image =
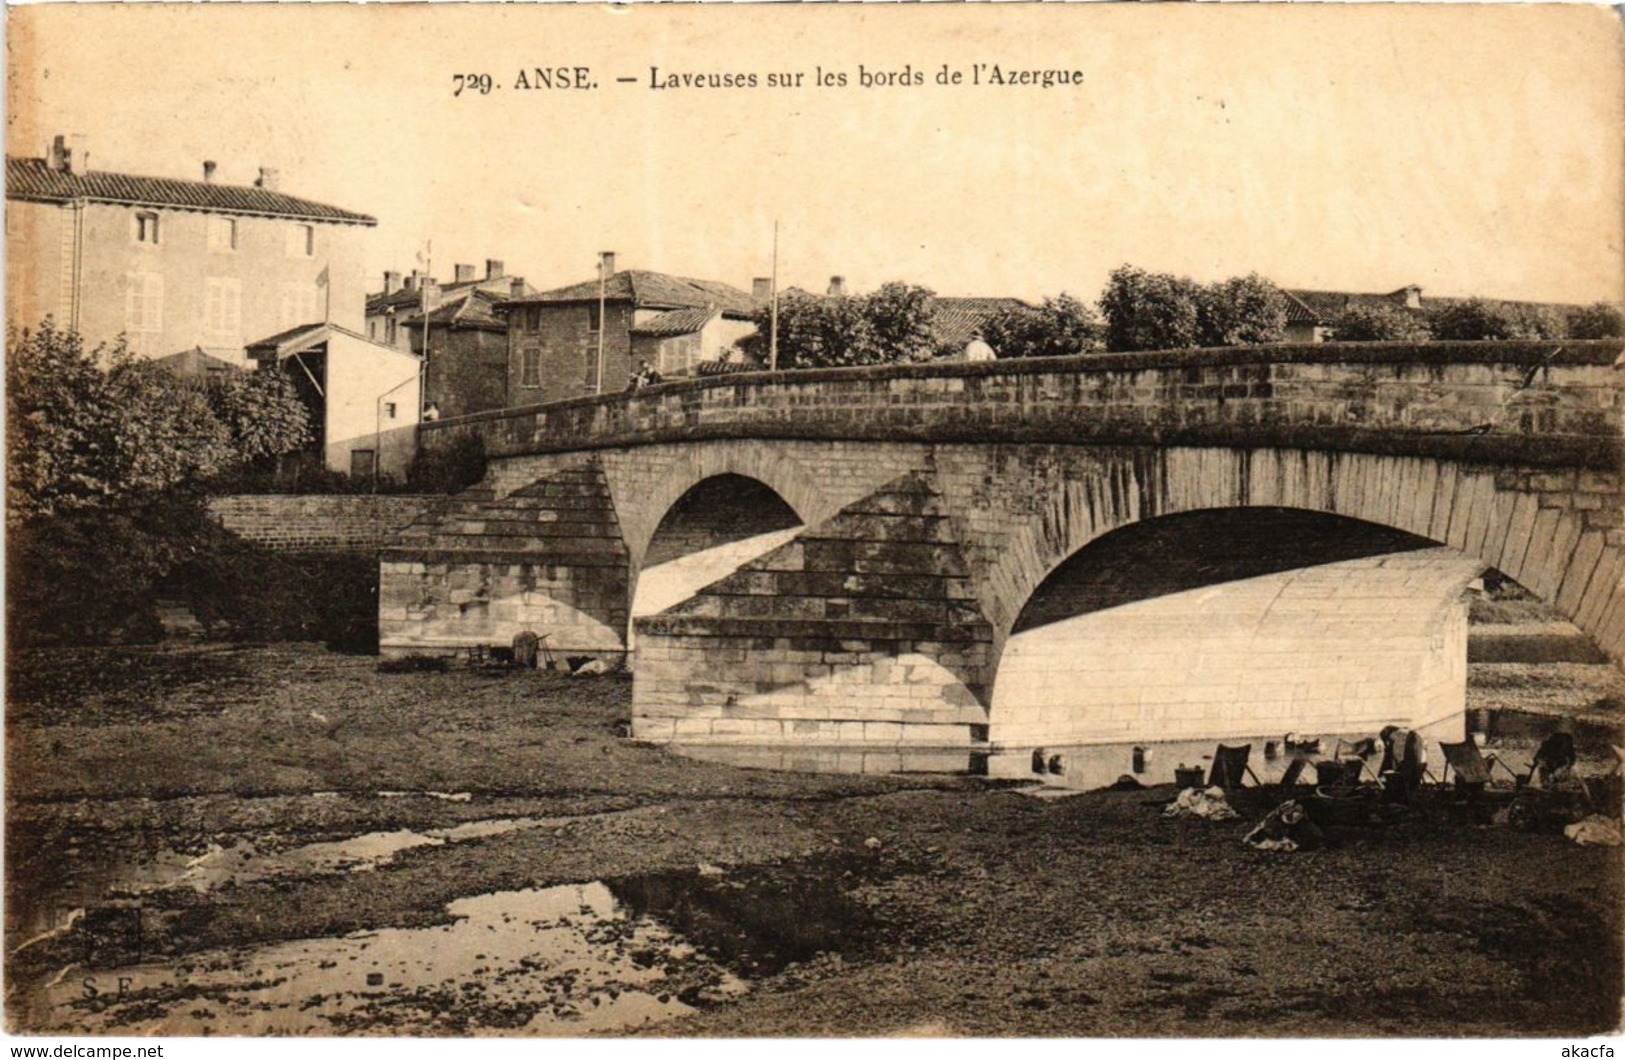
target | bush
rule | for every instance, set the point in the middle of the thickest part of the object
(891, 325)
(1599, 321)
(1241, 311)
(1379, 322)
(1480, 319)
(1149, 311)
(1059, 327)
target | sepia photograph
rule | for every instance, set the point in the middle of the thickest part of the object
(807, 521)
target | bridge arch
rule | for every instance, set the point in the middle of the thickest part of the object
(644, 500)
(716, 526)
(1549, 550)
(1235, 623)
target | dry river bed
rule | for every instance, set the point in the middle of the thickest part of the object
(279, 839)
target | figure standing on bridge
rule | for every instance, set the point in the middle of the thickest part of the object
(978, 349)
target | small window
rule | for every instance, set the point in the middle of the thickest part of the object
(389, 410)
(530, 373)
(146, 227)
(301, 241)
(222, 233)
(593, 321)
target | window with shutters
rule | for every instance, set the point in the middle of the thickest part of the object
(223, 310)
(143, 303)
(530, 367)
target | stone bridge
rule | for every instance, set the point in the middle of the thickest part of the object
(1244, 541)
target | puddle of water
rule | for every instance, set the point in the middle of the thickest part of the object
(560, 961)
(761, 920)
(238, 864)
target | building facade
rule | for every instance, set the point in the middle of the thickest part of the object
(555, 337)
(174, 265)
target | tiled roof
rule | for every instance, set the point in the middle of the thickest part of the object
(955, 321)
(654, 290)
(1325, 306)
(195, 362)
(293, 340)
(302, 338)
(471, 309)
(675, 322)
(403, 298)
(32, 179)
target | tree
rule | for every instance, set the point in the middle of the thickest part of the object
(1149, 311)
(262, 413)
(890, 325)
(1379, 322)
(1241, 311)
(107, 457)
(102, 426)
(1482, 319)
(1598, 321)
(1058, 327)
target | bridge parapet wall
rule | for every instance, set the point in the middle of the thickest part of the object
(1538, 405)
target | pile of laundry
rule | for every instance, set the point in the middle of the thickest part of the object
(1206, 803)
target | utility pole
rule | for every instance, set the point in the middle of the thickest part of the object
(773, 301)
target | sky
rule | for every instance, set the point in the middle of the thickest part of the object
(1471, 150)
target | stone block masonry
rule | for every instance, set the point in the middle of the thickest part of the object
(863, 630)
(547, 558)
(319, 522)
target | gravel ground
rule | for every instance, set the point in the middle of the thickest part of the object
(850, 905)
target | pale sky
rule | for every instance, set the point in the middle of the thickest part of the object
(1470, 150)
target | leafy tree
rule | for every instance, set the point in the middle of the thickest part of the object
(1598, 321)
(107, 455)
(1058, 327)
(1240, 311)
(1379, 322)
(1476, 319)
(890, 325)
(101, 427)
(262, 413)
(1149, 311)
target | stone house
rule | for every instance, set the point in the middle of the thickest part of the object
(554, 337)
(174, 265)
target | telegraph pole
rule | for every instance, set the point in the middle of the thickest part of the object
(773, 300)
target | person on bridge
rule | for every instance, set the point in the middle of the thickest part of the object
(978, 349)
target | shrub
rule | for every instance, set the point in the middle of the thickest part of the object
(1379, 322)
(447, 470)
(1059, 327)
(1598, 321)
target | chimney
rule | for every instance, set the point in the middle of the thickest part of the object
(837, 287)
(269, 179)
(392, 282)
(606, 262)
(516, 287)
(464, 274)
(68, 155)
(761, 288)
(208, 171)
(1413, 297)
(411, 283)
(493, 269)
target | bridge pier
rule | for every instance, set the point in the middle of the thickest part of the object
(546, 558)
(863, 630)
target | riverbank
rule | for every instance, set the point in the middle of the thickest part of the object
(201, 817)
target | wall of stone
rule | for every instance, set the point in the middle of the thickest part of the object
(479, 569)
(311, 522)
(1537, 404)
